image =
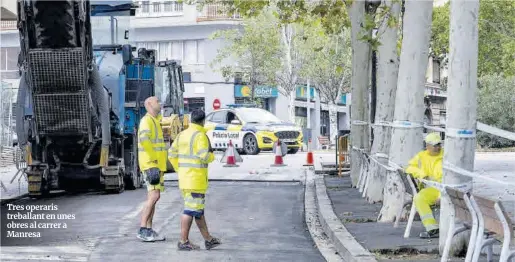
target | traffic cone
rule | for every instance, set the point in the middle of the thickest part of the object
(231, 158)
(309, 157)
(278, 155)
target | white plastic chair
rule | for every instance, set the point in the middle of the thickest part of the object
(463, 212)
(411, 188)
(495, 226)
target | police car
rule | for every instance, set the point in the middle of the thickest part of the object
(250, 130)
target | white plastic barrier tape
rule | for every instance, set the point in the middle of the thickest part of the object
(407, 124)
(496, 131)
(359, 123)
(464, 172)
(460, 133)
(435, 128)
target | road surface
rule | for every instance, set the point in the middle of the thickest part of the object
(260, 221)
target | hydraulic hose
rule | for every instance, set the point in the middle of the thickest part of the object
(20, 112)
(100, 96)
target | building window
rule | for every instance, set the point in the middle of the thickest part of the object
(436, 71)
(160, 8)
(189, 52)
(200, 52)
(193, 103)
(145, 7)
(187, 77)
(238, 78)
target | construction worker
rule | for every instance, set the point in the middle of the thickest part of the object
(190, 155)
(152, 163)
(427, 165)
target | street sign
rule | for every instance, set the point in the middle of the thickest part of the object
(216, 104)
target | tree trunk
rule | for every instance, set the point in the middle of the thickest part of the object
(387, 71)
(409, 99)
(461, 105)
(333, 121)
(291, 106)
(359, 84)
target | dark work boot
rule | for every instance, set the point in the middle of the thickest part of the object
(430, 234)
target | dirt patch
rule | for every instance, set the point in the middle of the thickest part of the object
(408, 254)
(358, 220)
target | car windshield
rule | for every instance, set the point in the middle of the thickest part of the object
(256, 115)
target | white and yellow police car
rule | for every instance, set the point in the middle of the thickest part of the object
(250, 130)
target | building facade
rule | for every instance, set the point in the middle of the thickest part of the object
(181, 32)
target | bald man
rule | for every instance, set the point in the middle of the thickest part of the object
(152, 157)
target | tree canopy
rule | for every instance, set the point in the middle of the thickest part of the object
(253, 50)
(496, 36)
(496, 107)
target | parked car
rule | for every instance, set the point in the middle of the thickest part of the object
(251, 130)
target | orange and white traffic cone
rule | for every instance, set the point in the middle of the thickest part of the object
(309, 157)
(231, 158)
(278, 155)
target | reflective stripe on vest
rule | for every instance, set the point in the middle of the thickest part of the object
(191, 155)
(154, 141)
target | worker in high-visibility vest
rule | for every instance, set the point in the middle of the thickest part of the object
(427, 165)
(190, 155)
(152, 163)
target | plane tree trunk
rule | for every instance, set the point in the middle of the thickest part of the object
(387, 71)
(407, 138)
(361, 53)
(461, 106)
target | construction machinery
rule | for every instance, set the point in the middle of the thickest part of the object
(170, 90)
(81, 95)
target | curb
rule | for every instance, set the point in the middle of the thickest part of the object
(12, 199)
(343, 240)
(312, 219)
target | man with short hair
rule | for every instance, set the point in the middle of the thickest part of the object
(427, 164)
(190, 155)
(152, 163)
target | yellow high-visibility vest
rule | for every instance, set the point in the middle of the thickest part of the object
(425, 166)
(151, 144)
(190, 156)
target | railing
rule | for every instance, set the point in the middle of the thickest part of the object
(434, 89)
(216, 12)
(8, 25)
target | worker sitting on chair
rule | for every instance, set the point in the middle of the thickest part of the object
(427, 165)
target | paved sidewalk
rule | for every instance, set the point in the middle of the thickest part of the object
(385, 241)
(17, 188)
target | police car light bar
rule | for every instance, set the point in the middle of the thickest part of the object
(240, 105)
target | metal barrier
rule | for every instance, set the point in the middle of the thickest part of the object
(342, 152)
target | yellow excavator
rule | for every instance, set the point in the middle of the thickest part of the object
(170, 89)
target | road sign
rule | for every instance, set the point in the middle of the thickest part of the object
(216, 104)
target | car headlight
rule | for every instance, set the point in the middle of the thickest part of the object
(267, 140)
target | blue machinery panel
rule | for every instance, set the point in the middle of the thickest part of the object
(143, 74)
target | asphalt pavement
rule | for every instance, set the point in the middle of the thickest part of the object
(259, 221)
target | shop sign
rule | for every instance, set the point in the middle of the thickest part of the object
(259, 91)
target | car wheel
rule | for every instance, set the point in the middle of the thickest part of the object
(250, 145)
(293, 151)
